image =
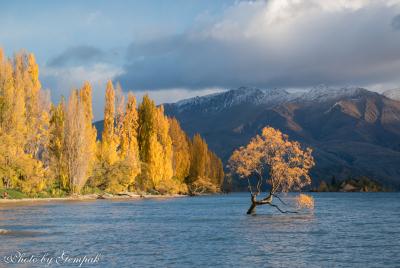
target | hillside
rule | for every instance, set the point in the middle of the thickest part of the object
(393, 94)
(353, 131)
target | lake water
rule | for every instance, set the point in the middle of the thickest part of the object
(345, 230)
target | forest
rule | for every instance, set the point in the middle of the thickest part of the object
(51, 150)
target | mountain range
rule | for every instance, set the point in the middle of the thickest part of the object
(392, 94)
(353, 131)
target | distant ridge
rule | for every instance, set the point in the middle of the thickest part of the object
(393, 94)
(353, 131)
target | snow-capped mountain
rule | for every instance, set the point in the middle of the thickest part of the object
(393, 94)
(353, 131)
(267, 97)
(323, 93)
(233, 97)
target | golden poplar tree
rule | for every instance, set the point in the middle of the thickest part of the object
(129, 133)
(118, 163)
(77, 149)
(164, 139)
(155, 147)
(120, 113)
(199, 158)
(11, 143)
(108, 141)
(18, 169)
(37, 103)
(146, 139)
(32, 92)
(90, 130)
(129, 148)
(206, 171)
(7, 95)
(18, 114)
(56, 146)
(181, 150)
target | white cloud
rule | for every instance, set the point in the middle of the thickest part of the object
(61, 80)
(277, 43)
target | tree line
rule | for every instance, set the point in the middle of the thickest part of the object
(52, 149)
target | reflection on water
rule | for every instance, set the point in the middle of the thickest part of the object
(345, 230)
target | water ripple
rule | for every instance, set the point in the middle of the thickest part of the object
(345, 230)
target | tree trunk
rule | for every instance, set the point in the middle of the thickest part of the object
(252, 208)
(255, 202)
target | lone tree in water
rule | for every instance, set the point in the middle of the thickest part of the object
(286, 164)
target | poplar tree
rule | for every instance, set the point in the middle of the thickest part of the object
(120, 113)
(206, 171)
(7, 93)
(155, 146)
(129, 133)
(32, 93)
(199, 158)
(146, 126)
(129, 148)
(147, 142)
(108, 141)
(90, 130)
(77, 151)
(18, 110)
(164, 139)
(56, 146)
(181, 150)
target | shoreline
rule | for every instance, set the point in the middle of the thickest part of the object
(92, 197)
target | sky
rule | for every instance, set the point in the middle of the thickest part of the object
(179, 49)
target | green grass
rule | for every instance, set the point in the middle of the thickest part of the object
(13, 194)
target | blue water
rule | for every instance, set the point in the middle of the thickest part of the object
(345, 230)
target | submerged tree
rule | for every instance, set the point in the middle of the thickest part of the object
(286, 164)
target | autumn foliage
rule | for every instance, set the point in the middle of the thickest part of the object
(305, 201)
(52, 149)
(284, 163)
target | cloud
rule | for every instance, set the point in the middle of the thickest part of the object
(276, 43)
(77, 55)
(396, 22)
(61, 80)
(71, 68)
(174, 94)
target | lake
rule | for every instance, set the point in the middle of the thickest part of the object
(345, 230)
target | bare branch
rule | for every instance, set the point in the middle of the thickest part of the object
(249, 186)
(282, 211)
(279, 199)
(259, 182)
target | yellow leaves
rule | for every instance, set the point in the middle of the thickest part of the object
(288, 165)
(129, 130)
(33, 70)
(37, 137)
(109, 114)
(204, 165)
(202, 185)
(305, 201)
(181, 150)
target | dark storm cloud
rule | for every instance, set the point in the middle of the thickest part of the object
(77, 55)
(274, 44)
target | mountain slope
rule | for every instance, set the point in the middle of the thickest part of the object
(353, 131)
(393, 94)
